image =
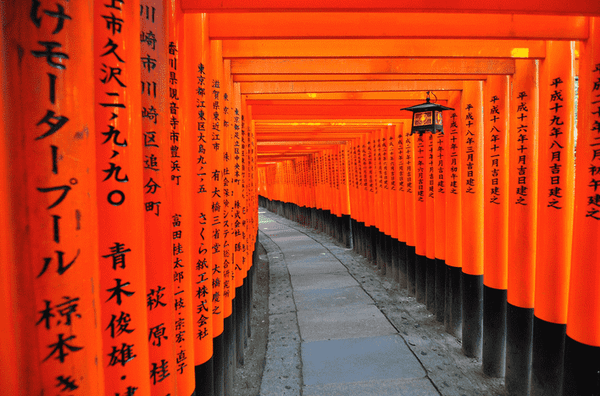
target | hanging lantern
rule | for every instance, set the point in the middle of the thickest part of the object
(427, 117)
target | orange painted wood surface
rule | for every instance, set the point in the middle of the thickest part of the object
(156, 175)
(523, 148)
(578, 7)
(583, 320)
(472, 178)
(440, 190)
(430, 245)
(180, 185)
(311, 25)
(496, 134)
(556, 166)
(453, 128)
(196, 92)
(388, 48)
(373, 66)
(120, 191)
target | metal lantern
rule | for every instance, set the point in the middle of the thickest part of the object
(427, 117)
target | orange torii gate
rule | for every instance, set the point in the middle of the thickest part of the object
(151, 170)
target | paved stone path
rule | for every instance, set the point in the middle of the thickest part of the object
(337, 328)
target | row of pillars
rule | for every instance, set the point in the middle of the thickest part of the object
(494, 224)
(129, 207)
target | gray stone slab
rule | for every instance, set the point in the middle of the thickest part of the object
(413, 387)
(281, 375)
(316, 267)
(284, 330)
(358, 360)
(301, 256)
(327, 298)
(305, 250)
(343, 322)
(322, 281)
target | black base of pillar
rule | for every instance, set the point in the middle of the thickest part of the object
(229, 354)
(411, 262)
(548, 355)
(494, 332)
(389, 258)
(395, 260)
(453, 316)
(362, 239)
(355, 236)
(430, 281)
(402, 266)
(421, 278)
(379, 254)
(582, 369)
(472, 302)
(249, 293)
(440, 289)
(204, 379)
(219, 364)
(374, 232)
(346, 231)
(519, 337)
(240, 324)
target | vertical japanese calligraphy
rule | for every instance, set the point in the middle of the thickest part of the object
(420, 224)
(496, 129)
(555, 213)
(472, 218)
(120, 197)
(583, 319)
(453, 316)
(216, 192)
(195, 56)
(181, 143)
(522, 223)
(50, 199)
(158, 110)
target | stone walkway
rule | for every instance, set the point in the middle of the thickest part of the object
(338, 328)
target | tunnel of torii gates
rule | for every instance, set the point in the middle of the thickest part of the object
(137, 136)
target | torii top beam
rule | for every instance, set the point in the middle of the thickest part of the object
(539, 7)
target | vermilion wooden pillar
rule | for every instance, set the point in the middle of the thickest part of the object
(440, 189)
(49, 213)
(228, 245)
(378, 198)
(453, 316)
(247, 250)
(160, 247)
(496, 128)
(420, 224)
(365, 197)
(410, 190)
(353, 195)
(386, 212)
(182, 172)
(371, 191)
(196, 91)
(582, 346)
(120, 197)
(430, 243)
(555, 215)
(344, 184)
(236, 224)
(13, 376)
(522, 224)
(215, 151)
(401, 205)
(392, 140)
(472, 218)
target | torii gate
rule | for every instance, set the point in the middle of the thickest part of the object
(240, 97)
